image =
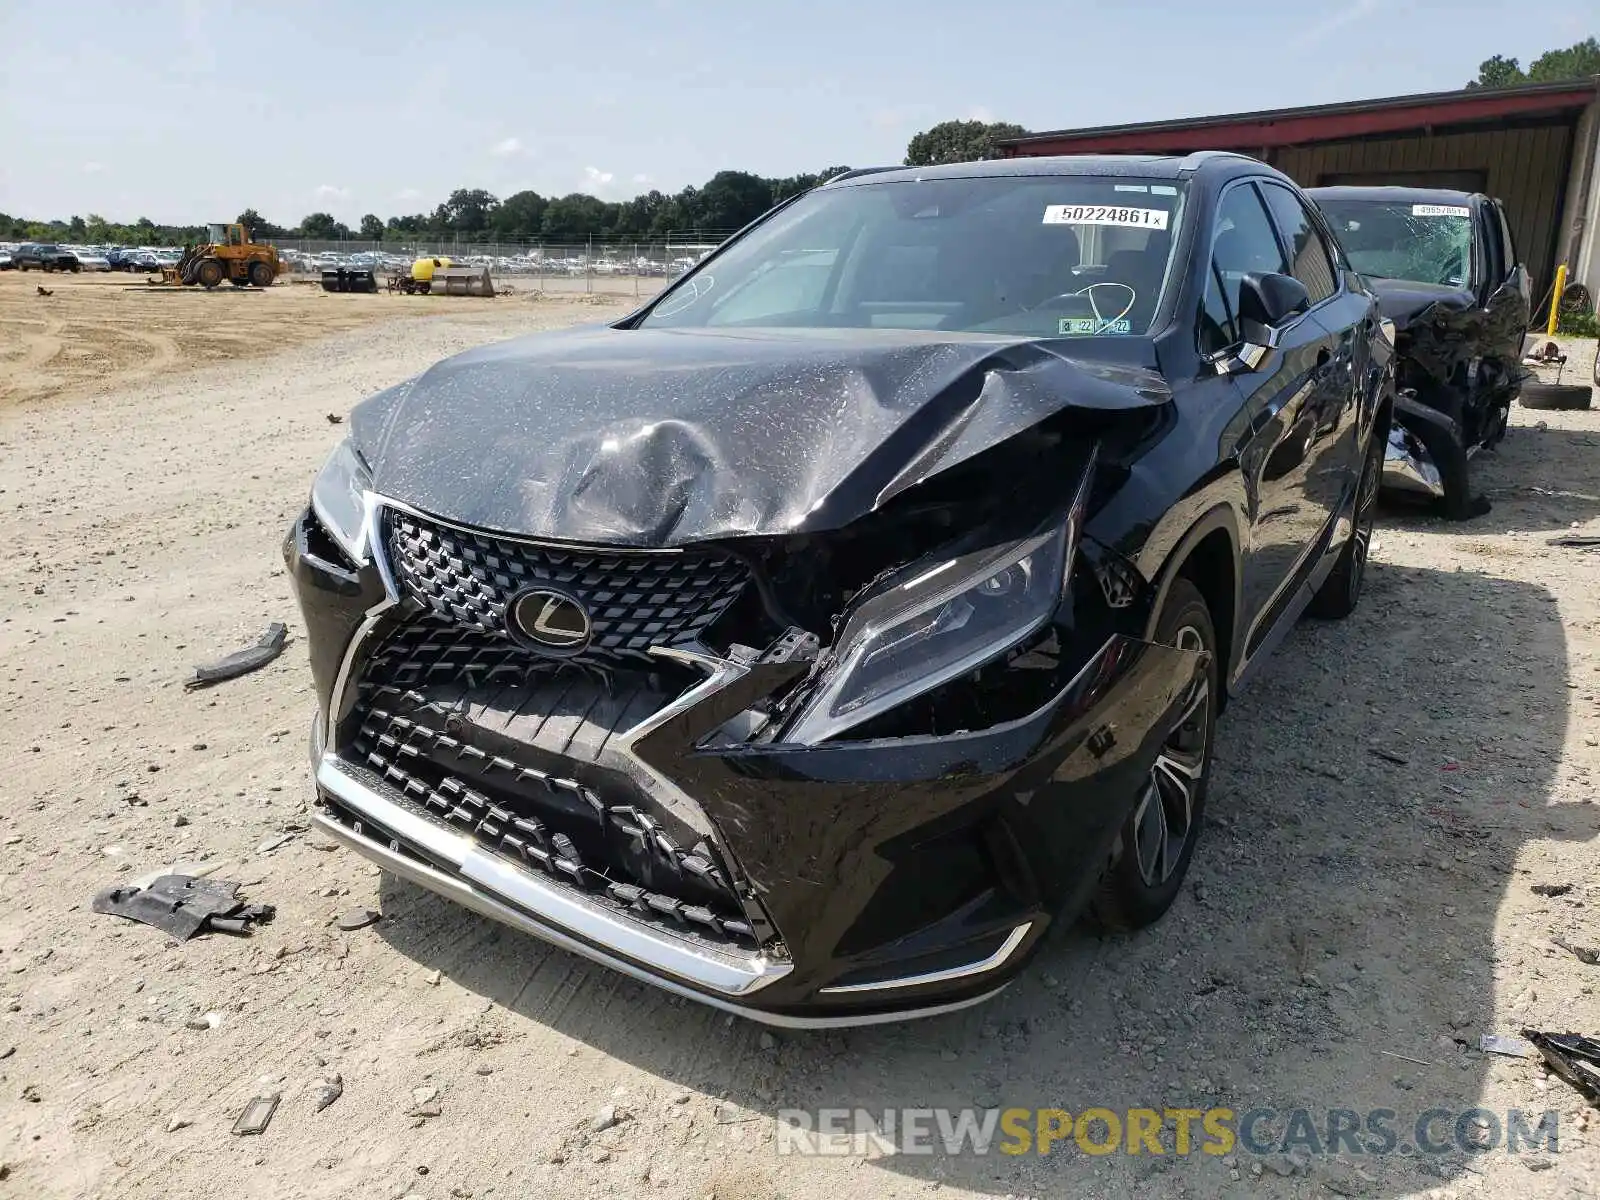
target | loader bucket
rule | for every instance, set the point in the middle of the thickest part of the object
(462, 281)
(348, 279)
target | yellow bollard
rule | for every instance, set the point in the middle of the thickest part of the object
(1555, 300)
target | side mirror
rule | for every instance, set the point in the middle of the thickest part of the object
(1266, 301)
(1270, 299)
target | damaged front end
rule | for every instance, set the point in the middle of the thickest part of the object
(830, 777)
(1457, 377)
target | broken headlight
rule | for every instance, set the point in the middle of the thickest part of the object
(339, 500)
(946, 619)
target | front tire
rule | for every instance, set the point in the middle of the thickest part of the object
(209, 273)
(1157, 840)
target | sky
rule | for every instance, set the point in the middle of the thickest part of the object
(188, 111)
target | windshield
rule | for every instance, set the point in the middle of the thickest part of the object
(1425, 243)
(1042, 256)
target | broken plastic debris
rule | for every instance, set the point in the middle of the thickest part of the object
(184, 906)
(1499, 1043)
(242, 662)
(1573, 1057)
(256, 1116)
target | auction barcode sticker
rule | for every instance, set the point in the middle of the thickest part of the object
(1440, 210)
(1105, 214)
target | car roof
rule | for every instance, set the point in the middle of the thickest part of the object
(1394, 195)
(1137, 166)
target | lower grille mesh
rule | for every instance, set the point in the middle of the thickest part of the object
(495, 742)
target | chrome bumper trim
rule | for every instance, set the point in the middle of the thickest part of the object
(1407, 466)
(496, 909)
(947, 975)
(548, 907)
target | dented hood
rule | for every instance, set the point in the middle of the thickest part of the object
(663, 437)
(1402, 300)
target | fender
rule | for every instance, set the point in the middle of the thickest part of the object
(1220, 516)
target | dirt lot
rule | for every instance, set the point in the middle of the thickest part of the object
(1361, 907)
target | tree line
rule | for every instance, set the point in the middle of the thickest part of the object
(726, 202)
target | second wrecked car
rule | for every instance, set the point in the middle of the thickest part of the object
(812, 640)
(1445, 271)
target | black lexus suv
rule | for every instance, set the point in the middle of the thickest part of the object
(813, 639)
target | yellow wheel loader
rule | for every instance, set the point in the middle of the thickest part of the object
(230, 255)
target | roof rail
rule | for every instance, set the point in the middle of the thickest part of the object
(859, 171)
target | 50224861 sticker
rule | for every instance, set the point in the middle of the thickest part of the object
(1105, 214)
(1440, 210)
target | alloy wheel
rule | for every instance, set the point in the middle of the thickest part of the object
(1164, 821)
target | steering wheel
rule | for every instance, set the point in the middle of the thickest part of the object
(1102, 321)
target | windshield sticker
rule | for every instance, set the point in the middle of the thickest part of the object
(1440, 210)
(1089, 326)
(1131, 187)
(1105, 214)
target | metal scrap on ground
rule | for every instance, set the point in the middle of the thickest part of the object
(242, 662)
(183, 906)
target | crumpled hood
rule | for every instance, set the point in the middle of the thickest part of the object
(1402, 300)
(663, 437)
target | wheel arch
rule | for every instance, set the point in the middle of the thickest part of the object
(1208, 556)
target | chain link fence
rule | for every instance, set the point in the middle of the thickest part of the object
(636, 268)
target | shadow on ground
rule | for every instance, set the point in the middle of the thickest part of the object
(1338, 923)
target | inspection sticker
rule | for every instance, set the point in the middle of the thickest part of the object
(1105, 214)
(1079, 326)
(1440, 210)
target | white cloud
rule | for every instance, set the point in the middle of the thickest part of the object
(93, 168)
(506, 147)
(980, 112)
(328, 192)
(1352, 12)
(408, 194)
(642, 178)
(595, 177)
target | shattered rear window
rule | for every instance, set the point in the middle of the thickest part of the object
(1423, 243)
(1045, 256)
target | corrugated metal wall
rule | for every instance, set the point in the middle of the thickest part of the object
(1526, 170)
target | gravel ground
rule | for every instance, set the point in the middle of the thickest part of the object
(1361, 907)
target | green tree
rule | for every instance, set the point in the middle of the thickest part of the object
(372, 227)
(96, 228)
(1578, 61)
(573, 218)
(469, 209)
(77, 230)
(1498, 71)
(319, 225)
(959, 141)
(520, 214)
(732, 199)
(259, 227)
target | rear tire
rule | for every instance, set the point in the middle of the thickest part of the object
(261, 274)
(1340, 592)
(1157, 840)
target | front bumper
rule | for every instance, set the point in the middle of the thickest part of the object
(859, 881)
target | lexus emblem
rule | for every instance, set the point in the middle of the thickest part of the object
(549, 621)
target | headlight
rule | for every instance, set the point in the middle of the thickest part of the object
(945, 621)
(339, 500)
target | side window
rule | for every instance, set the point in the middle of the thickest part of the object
(1243, 242)
(1311, 266)
(1217, 328)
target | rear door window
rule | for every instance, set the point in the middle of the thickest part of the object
(1311, 263)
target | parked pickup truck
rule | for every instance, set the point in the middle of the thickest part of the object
(1445, 271)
